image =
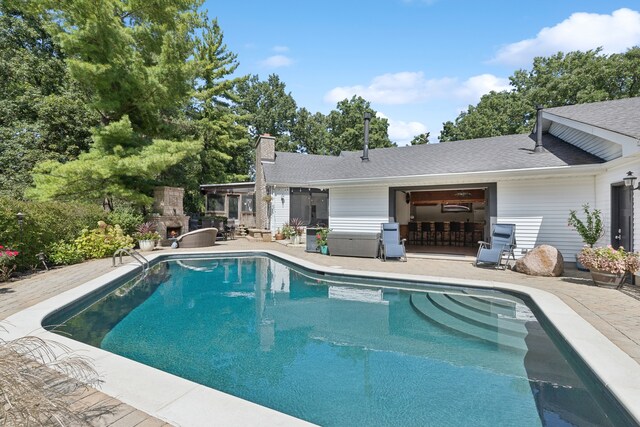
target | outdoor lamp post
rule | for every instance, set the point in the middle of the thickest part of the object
(630, 180)
(20, 218)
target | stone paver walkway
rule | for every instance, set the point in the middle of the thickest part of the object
(615, 314)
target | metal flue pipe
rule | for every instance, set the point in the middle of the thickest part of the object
(365, 151)
(538, 148)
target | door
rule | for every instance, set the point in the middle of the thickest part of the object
(622, 217)
(233, 207)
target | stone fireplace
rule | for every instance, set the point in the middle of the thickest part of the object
(168, 213)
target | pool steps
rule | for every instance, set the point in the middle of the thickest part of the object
(485, 319)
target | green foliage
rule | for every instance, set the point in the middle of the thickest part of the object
(321, 237)
(118, 165)
(557, 80)
(421, 139)
(146, 231)
(592, 228)
(44, 224)
(268, 108)
(127, 218)
(346, 127)
(42, 113)
(63, 253)
(103, 241)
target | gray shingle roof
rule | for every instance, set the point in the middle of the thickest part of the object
(620, 116)
(511, 152)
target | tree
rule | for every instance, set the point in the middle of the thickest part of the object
(557, 80)
(346, 127)
(119, 165)
(310, 133)
(136, 63)
(269, 109)
(42, 113)
(421, 139)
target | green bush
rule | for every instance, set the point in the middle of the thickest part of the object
(44, 223)
(127, 218)
(103, 241)
(63, 253)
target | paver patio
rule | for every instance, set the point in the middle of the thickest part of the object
(614, 313)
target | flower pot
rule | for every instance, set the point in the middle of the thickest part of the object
(279, 236)
(606, 279)
(147, 245)
(324, 250)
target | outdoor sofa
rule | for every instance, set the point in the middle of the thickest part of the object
(198, 238)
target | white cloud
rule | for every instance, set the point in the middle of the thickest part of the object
(276, 61)
(581, 31)
(280, 49)
(403, 132)
(412, 87)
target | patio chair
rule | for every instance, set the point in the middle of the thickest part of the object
(503, 241)
(390, 244)
(198, 238)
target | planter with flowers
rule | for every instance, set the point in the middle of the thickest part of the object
(298, 228)
(7, 263)
(609, 266)
(147, 236)
(321, 240)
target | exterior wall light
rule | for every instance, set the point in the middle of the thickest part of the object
(630, 180)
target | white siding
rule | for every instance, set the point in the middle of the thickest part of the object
(358, 209)
(540, 209)
(279, 207)
(595, 145)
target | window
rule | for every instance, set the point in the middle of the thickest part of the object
(248, 202)
(311, 205)
(215, 202)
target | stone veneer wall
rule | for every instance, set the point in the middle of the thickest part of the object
(167, 201)
(265, 152)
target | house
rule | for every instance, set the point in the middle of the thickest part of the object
(235, 201)
(578, 154)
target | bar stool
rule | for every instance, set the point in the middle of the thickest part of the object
(413, 232)
(438, 228)
(471, 230)
(455, 233)
(425, 228)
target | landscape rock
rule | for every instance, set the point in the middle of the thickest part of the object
(543, 260)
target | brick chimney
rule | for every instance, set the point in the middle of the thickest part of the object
(265, 153)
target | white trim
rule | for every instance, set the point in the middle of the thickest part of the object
(629, 144)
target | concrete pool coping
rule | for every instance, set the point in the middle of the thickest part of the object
(183, 402)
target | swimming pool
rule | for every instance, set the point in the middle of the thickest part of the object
(335, 351)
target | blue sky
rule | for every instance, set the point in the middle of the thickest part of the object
(419, 62)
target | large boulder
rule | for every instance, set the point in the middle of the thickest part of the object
(543, 260)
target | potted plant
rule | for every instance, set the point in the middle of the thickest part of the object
(147, 236)
(321, 240)
(609, 266)
(298, 227)
(279, 235)
(590, 230)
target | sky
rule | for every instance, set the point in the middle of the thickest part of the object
(419, 62)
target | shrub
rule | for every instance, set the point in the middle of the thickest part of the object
(321, 237)
(44, 224)
(63, 253)
(127, 218)
(7, 263)
(102, 241)
(592, 228)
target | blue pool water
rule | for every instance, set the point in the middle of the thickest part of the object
(337, 353)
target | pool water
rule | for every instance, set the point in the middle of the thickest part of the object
(334, 351)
